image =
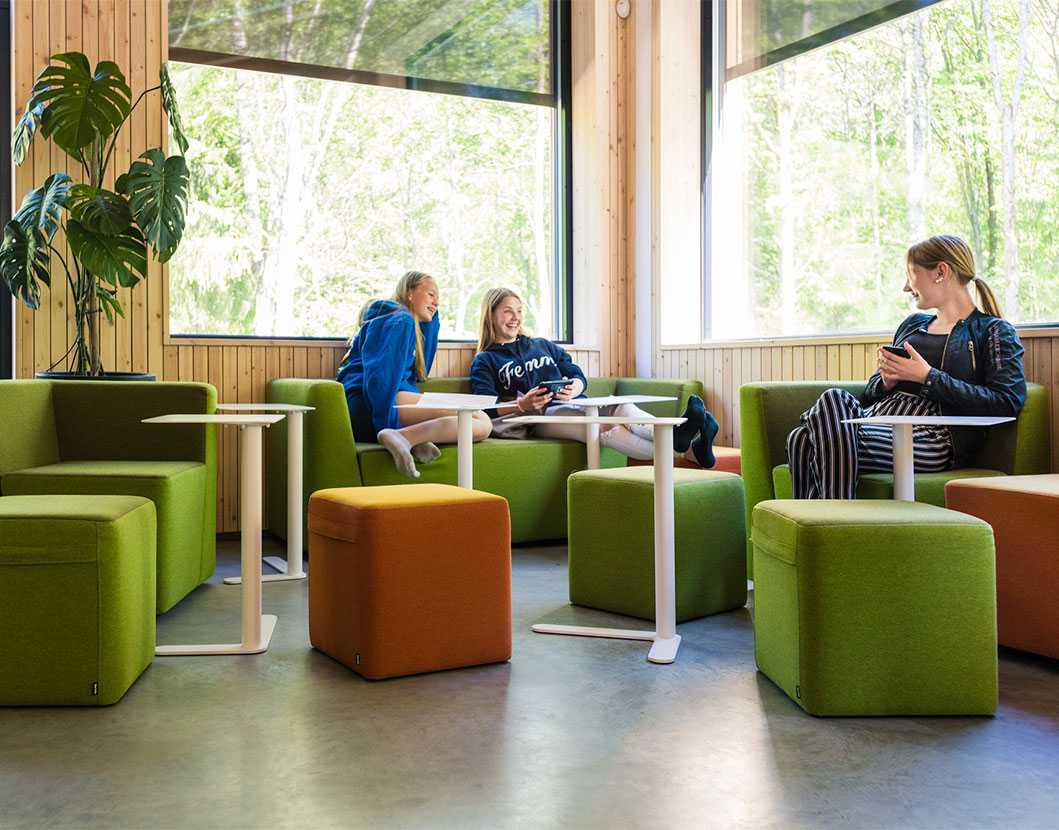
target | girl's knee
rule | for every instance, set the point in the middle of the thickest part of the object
(481, 427)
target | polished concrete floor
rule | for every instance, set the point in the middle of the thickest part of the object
(572, 733)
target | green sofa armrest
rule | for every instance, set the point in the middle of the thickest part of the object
(28, 435)
(767, 413)
(1025, 446)
(329, 452)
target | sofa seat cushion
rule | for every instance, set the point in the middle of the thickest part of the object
(930, 487)
(538, 505)
(77, 598)
(175, 487)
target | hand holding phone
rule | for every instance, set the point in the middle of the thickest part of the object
(554, 386)
(900, 351)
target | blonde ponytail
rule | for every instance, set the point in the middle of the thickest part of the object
(408, 282)
(957, 254)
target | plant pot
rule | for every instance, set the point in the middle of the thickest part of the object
(104, 376)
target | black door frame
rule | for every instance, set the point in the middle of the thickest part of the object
(7, 322)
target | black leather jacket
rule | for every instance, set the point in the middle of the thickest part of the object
(980, 374)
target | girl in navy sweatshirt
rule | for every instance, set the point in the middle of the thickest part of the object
(511, 365)
(393, 349)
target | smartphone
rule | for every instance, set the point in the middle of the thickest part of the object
(554, 386)
(900, 351)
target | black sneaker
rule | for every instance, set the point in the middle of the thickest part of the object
(702, 446)
(695, 412)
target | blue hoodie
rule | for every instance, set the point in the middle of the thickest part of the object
(381, 360)
(508, 369)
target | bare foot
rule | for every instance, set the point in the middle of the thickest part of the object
(426, 452)
(401, 451)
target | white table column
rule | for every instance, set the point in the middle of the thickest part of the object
(292, 568)
(592, 437)
(903, 455)
(256, 628)
(465, 448)
(664, 639)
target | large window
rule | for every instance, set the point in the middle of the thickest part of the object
(336, 145)
(844, 139)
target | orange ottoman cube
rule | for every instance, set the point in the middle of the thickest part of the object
(409, 578)
(1024, 513)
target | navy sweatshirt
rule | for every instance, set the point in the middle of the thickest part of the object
(509, 369)
(381, 359)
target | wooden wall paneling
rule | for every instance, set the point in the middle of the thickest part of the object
(156, 38)
(59, 293)
(136, 131)
(299, 362)
(41, 322)
(24, 65)
(185, 364)
(119, 164)
(170, 367)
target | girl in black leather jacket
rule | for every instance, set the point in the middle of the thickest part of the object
(961, 361)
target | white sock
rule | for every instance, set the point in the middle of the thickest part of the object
(426, 452)
(401, 451)
(629, 410)
(621, 439)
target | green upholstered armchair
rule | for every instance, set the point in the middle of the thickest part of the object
(769, 411)
(530, 474)
(86, 438)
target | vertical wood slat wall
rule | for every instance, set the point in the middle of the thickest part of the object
(724, 368)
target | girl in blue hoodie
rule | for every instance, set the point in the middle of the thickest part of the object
(393, 349)
(510, 365)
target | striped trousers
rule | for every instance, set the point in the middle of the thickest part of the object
(826, 455)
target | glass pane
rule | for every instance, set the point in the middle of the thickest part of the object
(497, 43)
(758, 27)
(311, 197)
(830, 164)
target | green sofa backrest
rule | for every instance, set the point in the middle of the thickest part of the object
(103, 419)
(27, 425)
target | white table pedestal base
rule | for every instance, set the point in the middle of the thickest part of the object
(663, 650)
(268, 625)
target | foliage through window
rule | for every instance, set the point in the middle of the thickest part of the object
(829, 164)
(313, 195)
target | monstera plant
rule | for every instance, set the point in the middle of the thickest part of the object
(108, 228)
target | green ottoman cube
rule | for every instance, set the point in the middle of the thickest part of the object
(875, 607)
(611, 541)
(77, 598)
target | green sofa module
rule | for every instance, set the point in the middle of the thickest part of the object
(875, 607)
(611, 541)
(769, 411)
(77, 598)
(86, 437)
(530, 474)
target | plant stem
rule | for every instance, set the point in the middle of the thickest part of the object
(114, 138)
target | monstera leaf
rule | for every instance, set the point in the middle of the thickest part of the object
(22, 137)
(157, 188)
(118, 260)
(42, 208)
(100, 210)
(169, 105)
(23, 261)
(80, 105)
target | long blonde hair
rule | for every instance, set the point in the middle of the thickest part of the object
(406, 284)
(409, 282)
(958, 256)
(490, 302)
